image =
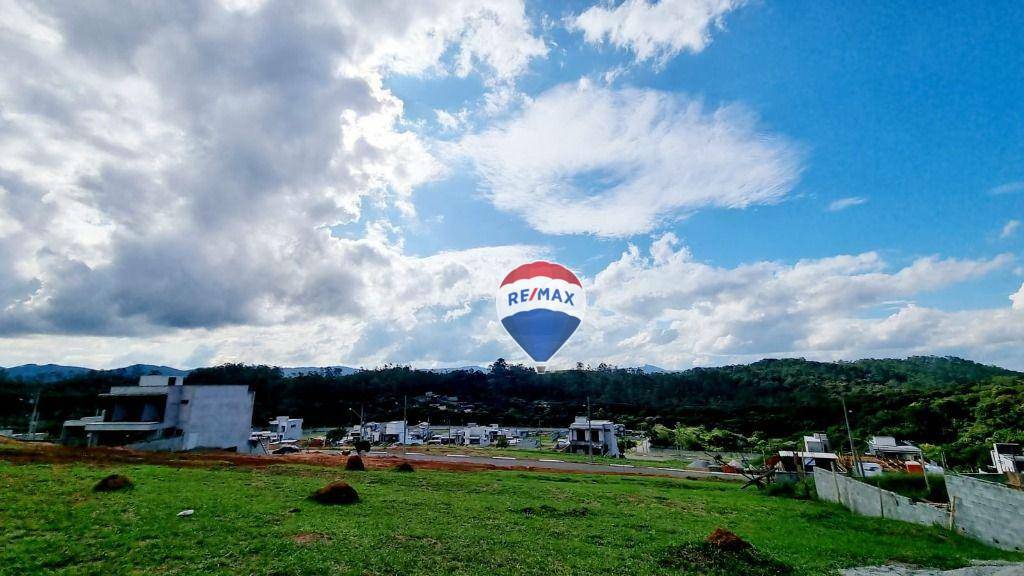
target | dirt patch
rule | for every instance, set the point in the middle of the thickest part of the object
(551, 512)
(306, 538)
(354, 464)
(112, 483)
(723, 554)
(725, 540)
(336, 493)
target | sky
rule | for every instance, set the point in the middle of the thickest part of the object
(346, 183)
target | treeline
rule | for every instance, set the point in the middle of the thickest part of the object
(949, 404)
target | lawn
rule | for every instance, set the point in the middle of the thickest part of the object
(259, 521)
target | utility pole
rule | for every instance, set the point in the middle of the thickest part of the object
(849, 432)
(35, 416)
(590, 442)
(405, 422)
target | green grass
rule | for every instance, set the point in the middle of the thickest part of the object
(491, 523)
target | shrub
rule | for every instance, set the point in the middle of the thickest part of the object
(912, 486)
(354, 463)
(801, 489)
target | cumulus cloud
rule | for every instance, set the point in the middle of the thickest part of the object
(666, 307)
(657, 30)
(180, 166)
(844, 203)
(585, 159)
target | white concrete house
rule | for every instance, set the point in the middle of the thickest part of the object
(1007, 457)
(599, 436)
(887, 447)
(287, 428)
(163, 413)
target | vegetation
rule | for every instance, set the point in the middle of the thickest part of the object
(261, 522)
(954, 406)
(913, 486)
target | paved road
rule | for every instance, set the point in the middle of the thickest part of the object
(555, 464)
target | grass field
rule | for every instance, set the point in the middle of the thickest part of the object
(259, 521)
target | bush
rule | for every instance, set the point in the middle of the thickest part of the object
(912, 486)
(355, 464)
(362, 445)
(801, 489)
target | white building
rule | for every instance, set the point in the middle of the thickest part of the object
(887, 447)
(1007, 457)
(473, 434)
(162, 413)
(817, 442)
(598, 436)
(287, 428)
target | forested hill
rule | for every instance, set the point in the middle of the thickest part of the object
(943, 401)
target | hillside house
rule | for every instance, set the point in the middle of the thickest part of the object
(163, 413)
(1007, 457)
(889, 448)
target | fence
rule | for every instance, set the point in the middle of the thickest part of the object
(983, 510)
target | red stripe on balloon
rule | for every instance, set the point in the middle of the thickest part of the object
(547, 269)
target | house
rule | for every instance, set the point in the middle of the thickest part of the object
(888, 448)
(817, 442)
(473, 434)
(1007, 457)
(287, 428)
(789, 461)
(394, 432)
(164, 413)
(594, 436)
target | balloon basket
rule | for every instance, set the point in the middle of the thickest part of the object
(541, 369)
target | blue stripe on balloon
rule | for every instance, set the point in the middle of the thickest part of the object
(540, 332)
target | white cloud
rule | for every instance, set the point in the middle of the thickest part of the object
(669, 309)
(585, 159)
(1009, 229)
(178, 168)
(844, 203)
(1018, 298)
(1008, 188)
(654, 31)
(451, 122)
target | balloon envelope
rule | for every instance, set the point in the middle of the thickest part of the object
(541, 304)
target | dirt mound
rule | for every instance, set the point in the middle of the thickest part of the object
(112, 483)
(310, 538)
(723, 554)
(404, 467)
(336, 493)
(725, 540)
(355, 463)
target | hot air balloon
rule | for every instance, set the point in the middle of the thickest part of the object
(541, 305)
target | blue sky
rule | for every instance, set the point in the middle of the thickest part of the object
(200, 182)
(916, 111)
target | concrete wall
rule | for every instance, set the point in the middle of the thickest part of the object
(216, 417)
(868, 500)
(989, 512)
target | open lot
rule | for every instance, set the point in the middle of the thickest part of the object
(258, 520)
